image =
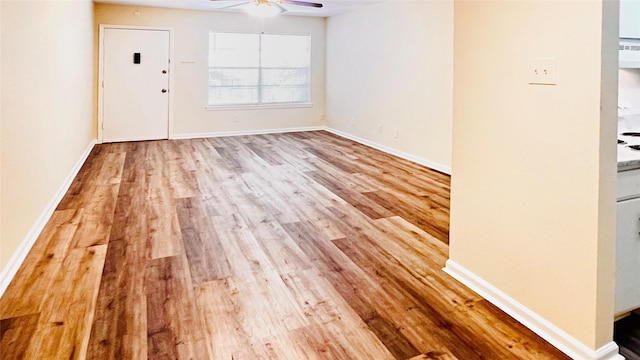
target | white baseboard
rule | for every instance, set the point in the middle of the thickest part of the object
(16, 260)
(428, 163)
(545, 329)
(245, 132)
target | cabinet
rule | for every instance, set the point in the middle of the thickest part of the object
(627, 256)
(630, 19)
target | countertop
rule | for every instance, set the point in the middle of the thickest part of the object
(628, 159)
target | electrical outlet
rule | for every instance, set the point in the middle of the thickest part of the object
(351, 123)
(379, 129)
(322, 117)
(395, 133)
(542, 71)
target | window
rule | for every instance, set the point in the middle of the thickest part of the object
(259, 69)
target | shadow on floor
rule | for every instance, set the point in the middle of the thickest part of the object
(626, 333)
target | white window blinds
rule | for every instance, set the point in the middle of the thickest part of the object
(255, 69)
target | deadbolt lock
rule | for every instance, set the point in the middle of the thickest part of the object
(164, 90)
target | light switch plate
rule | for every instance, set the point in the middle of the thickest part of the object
(542, 71)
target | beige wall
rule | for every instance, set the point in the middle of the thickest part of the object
(47, 106)
(533, 204)
(191, 33)
(390, 66)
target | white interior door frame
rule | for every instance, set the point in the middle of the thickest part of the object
(103, 27)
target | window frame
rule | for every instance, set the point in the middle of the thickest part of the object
(258, 106)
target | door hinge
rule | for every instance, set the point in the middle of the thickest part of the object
(102, 84)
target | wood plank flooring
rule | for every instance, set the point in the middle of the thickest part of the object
(285, 246)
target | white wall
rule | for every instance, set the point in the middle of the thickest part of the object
(191, 32)
(629, 94)
(47, 107)
(532, 202)
(390, 66)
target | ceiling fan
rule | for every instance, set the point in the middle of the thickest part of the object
(268, 7)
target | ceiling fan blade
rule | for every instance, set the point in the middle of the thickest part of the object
(230, 6)
(302, 3)
(282, 9)
(236, 5)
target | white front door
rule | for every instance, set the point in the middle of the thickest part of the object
(135, 92)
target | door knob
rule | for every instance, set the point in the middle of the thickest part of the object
(164, 90)
(164, 71)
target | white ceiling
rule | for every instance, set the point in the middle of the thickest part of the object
(330, 7)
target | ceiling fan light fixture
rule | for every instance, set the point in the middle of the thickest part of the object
(262, 9)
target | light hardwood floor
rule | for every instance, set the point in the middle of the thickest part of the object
(287, 246)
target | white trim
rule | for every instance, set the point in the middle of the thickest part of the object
(100, 84)
(172, 86)
(258, 107)
(247, 132)
(545, 329)
(101, 74)
(16, 260)
(392, 151)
